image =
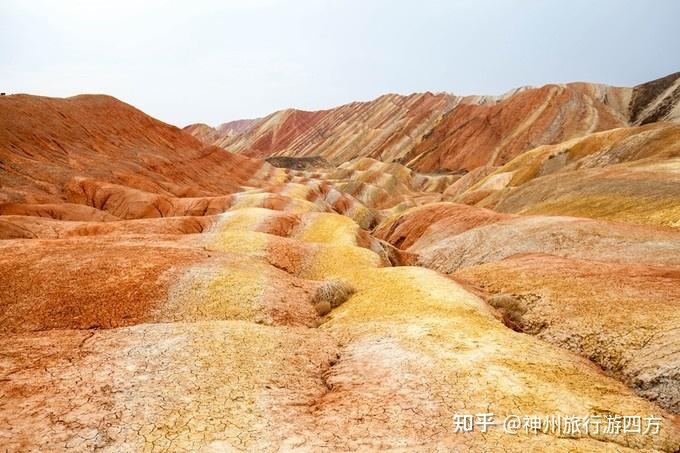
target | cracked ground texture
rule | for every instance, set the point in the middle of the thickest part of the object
(234, 371)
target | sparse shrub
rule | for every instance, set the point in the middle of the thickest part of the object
(331, 294)
(511, 308)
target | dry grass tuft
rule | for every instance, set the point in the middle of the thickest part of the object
(331, 294)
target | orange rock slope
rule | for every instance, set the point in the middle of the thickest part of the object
(433, 132)
(160, 294)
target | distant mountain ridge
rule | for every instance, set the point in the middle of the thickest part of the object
(443, 132)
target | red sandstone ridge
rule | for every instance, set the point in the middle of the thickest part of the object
(46, 142)
(472, 136)
(432, 132)
(369, 129)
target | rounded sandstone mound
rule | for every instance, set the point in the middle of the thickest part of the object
(624, 317)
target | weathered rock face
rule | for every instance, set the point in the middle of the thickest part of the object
(361, 129)
(630, 331)
(627, 174)
(658, 100)
(46, 142)
(434, 222)
(472, 136)
(159, 294)
(434, 132)
(466, 236)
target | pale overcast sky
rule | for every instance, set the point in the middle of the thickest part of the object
(214, 61)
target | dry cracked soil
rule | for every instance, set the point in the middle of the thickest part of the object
(161, 293)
